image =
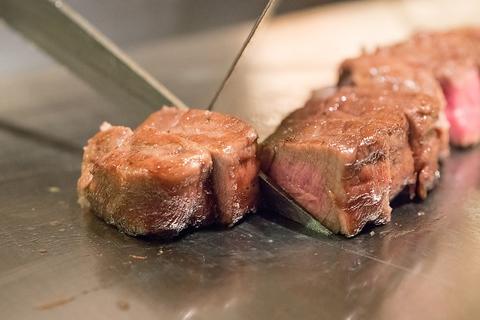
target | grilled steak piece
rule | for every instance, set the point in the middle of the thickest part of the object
(232, 145)
(108, 139)
(153, 183)
(452, 58)
(167, 175)
(342, 164)
(327, 167)
(344, 156)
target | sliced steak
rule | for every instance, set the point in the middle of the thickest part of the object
(422, 113)
(163, 177)
(342, 166)
(386, 72)
(233, 147)
(152, 183)
(345, 155)
(452, 58)
(463, 107)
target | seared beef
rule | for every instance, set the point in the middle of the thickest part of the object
(178, 169)
(422, 113)
(232, 145)
(337, 169)
(452, 58)
(338, 165)
(385, 72)
(345, 156)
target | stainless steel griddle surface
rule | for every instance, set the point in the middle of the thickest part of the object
(59, 263)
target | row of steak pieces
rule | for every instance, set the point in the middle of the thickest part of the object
(344, 156)
(443, 64)
(178, 169)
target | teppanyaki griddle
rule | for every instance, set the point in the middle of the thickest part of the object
(58, 262)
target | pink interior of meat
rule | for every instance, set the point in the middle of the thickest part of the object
(463, 107)
(303, 182)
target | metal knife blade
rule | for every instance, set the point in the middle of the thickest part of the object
(67, 37)
(267, 11)
(283, 204)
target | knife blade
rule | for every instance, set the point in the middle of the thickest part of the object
(67, 37)
(266, 12)
(70, 39)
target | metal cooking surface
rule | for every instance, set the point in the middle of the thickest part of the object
(57, 262)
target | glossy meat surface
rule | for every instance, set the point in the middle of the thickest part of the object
(345, 156)
(388, 72)
(421, 112)
(451, 58)
(336, 165)
(232, 145)
(164, 177)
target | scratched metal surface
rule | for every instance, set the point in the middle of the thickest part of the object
(57, 262)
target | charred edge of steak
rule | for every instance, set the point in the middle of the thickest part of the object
(158, 182)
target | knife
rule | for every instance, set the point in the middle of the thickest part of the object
(70, 39)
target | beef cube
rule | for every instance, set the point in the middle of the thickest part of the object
(152, 184)
(453, 57)
(232, 145)
(342, 167)
(169, 175)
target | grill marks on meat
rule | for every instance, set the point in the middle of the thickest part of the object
(178, 169)
(451, 58)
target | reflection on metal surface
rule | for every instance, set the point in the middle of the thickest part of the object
(259, 269)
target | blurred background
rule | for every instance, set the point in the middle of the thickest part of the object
(131, 23)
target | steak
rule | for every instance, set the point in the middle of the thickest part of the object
(179, 169)
(422, 112)
(451, 58)
(344, 157)
(232, 145)
(336, 165)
